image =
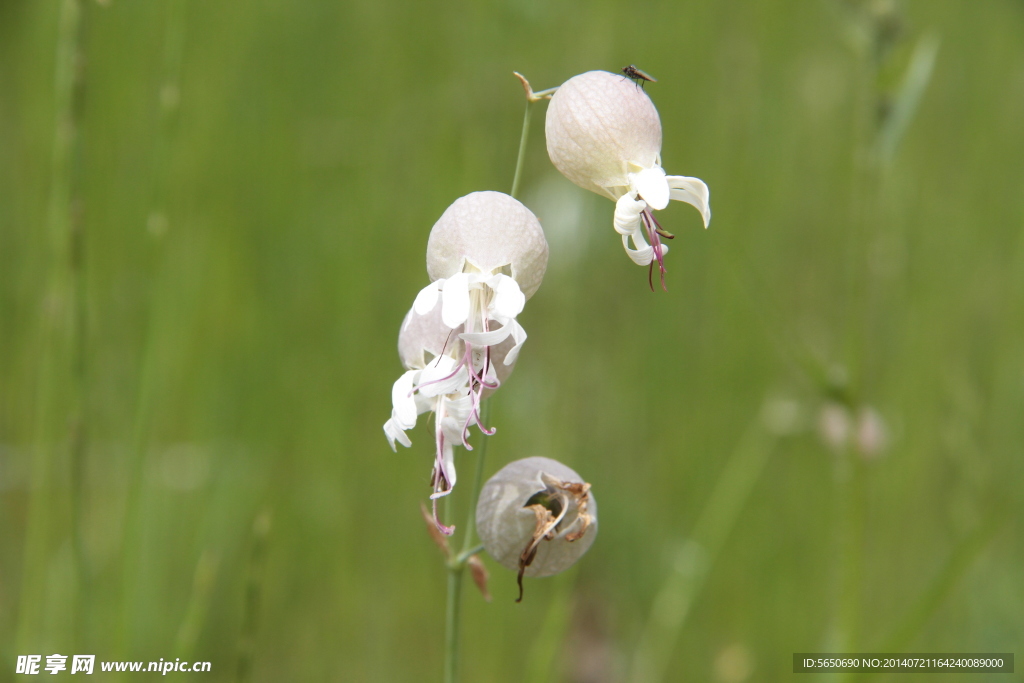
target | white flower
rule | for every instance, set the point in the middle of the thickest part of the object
(604, 134)
(486, 255)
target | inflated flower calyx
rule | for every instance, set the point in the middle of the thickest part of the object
(604, 134)
(486, 256)
(489, 232)
(600, 128)
(536, 517)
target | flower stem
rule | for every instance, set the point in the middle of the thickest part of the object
(531, 97)
(457, 564)
(451, 623)
(523, 137)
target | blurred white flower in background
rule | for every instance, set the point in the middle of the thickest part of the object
(604, 134)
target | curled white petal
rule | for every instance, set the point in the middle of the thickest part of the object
(447, 464)
(425, 300)
(441, 377)
(455, 300)
(402, 401)
(456, 412)
(652, 186)
(487, 338)
(396, 433)
(519, 336)
(508, 298)
(627, 214)
(694, 192)
(642, 255)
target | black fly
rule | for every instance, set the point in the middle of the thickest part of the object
(637, 75)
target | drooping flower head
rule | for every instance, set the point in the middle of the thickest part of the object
(486, 255)
(439, 379)
(604, 134)
(537, 517)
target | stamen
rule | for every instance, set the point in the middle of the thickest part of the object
(446, 530)
(654, 235)
(445, 347)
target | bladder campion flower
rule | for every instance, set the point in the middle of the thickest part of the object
(604, 134)
(537, 517)
(486, 256)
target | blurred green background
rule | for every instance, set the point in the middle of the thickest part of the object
(209, 237)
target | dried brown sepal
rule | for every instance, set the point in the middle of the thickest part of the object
(557, 495)
(530, 95)
(480, 575)
(435, 534)
(581, 493)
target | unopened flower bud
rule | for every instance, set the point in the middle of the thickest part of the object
(537, 517)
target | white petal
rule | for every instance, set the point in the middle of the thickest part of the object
(457, 411)
(396, 433)
(694, 192)
(426, 299)
(508, 298)
(627, 214)
(652, 186)
(402, 401)
(447, 467)
(641, 256)
(487, 338)
(519, 335)
(424, 403)
(440, 377)
(455, 300)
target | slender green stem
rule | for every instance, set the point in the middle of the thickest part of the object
(457, 565)
(523, 137)
(451, 624)
(466, 554)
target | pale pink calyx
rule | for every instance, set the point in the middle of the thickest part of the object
(486, 256)
(604, 134)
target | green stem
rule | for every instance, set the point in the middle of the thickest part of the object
(523, 137)
(457, 565)
(451, 624)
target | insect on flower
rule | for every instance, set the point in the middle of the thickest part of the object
(637, 75)
(606, 138)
